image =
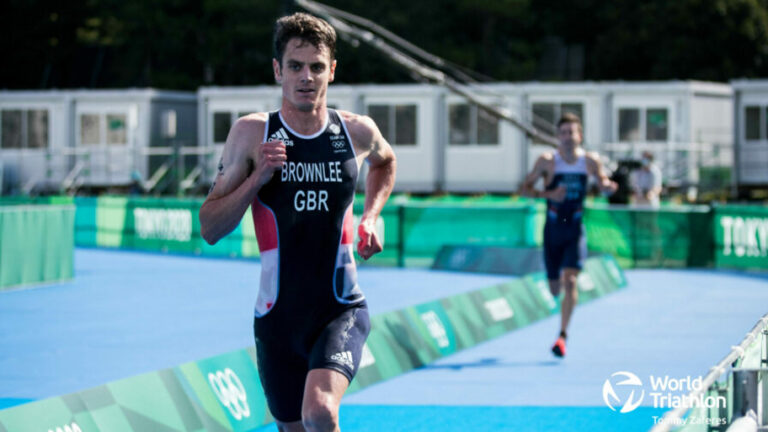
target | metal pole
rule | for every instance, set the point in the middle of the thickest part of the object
(763, 418)
(179, 167)
(745, 395)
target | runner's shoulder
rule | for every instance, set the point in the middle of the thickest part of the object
(361, 127)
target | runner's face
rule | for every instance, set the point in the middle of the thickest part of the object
(569, 135)
(304, 74)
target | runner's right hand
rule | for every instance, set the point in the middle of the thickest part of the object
(557, 194)
(269, 157)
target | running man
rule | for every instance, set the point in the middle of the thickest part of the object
(297, 168)
(565, 173)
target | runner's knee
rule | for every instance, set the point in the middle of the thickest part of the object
(320, 415)
(290, 427)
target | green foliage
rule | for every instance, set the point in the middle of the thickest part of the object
(182, 44)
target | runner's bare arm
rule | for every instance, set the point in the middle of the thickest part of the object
(382, 166)
(541, 170)
(245, 166)
(528, 188)
(595, 168)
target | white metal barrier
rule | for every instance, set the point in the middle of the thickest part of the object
(742, 404)
(69, 168)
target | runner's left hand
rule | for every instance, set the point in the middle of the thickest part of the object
(369, 243)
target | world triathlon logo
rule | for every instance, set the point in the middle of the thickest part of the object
(622, 383)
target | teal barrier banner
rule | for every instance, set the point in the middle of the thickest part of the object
(37, 244)
(415, 230)
(412, 233)
(85, 222)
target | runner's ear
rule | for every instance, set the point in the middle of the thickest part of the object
(277, 70)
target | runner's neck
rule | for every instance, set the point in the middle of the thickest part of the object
(569, 156)
(305, 123)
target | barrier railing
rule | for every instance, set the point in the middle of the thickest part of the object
(742, 387)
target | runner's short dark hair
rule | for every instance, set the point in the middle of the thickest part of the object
(306, 27)
(569, 117)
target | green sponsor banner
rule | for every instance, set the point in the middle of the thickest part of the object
(224, 393)
(155, 224)
(665, 237)
(415, 230)
(538, 285)
(612, 269)
(434, 326)
(234, 381)
(49, 414)
(741, 237)
(161, 225)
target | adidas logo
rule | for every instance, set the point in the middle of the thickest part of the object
(344, 358)
(280, 135)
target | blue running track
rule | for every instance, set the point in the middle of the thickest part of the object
(129, 313)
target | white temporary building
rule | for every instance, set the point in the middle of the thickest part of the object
(55, 139)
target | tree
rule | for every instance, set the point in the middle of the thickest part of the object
(179, 44)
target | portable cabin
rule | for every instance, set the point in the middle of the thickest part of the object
(132, 135)
(750, 133)
(35, 127)
(55, 139)
(686, 125)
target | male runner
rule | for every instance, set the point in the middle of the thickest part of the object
(565, 172)
(297, 169)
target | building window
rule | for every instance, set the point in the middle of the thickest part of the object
(103, 129)
(573, 108)
(470, 124)
(656, 128)
(460, 124)
(90, 129)
(397, 123)
(636, 124)
(37, 128)
(116, 129)
(222, 122)
(487, 128)
(547, 114)
(11, 124)
(405, 124)
(629, 124)
(22, 129)
(752, 118)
